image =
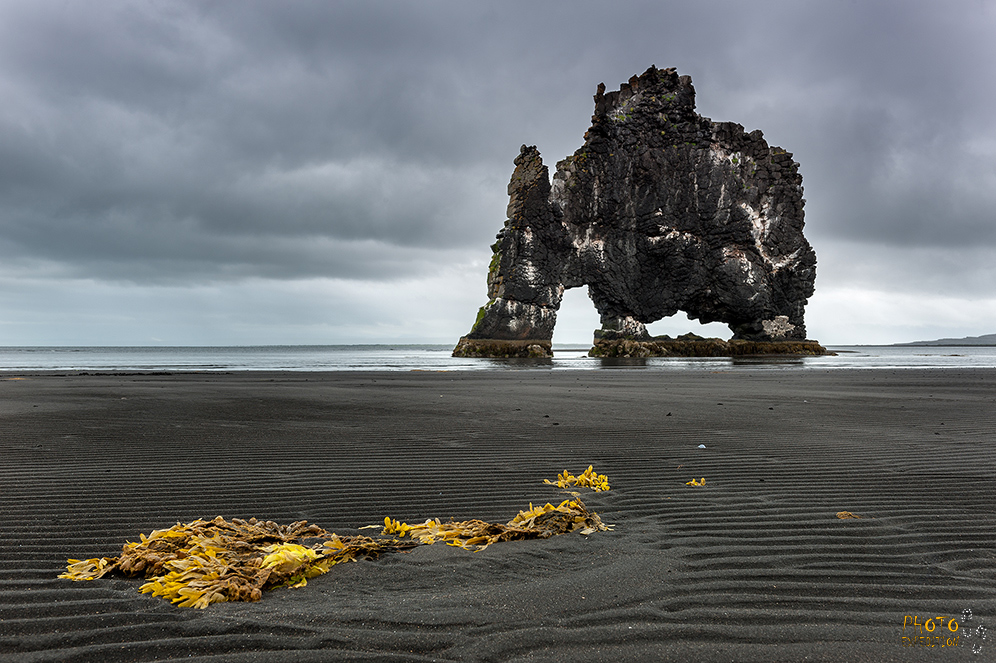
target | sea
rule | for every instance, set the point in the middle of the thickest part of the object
(437, 358)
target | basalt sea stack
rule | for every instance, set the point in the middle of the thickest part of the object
(660, 211)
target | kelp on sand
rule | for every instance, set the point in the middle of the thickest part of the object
(204, 562)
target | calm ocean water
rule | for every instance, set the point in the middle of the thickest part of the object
(437, 357)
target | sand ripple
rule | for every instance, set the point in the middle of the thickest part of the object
(754, 565)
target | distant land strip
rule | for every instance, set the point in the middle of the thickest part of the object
(987, 339)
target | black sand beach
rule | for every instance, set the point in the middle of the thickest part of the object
(753, 566)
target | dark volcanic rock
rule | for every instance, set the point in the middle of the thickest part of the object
(701, 347)
(660, 211)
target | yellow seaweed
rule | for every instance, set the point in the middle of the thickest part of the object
(202, 562)
(533, 523)
(587, 479)
(88, 569)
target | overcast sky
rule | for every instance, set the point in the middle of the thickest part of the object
(269, 172)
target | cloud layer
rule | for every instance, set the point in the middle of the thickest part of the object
(158, 151)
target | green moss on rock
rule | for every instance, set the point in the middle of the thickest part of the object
(480, 315)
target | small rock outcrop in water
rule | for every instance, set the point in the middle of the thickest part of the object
(660, 211)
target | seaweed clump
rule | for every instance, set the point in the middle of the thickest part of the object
(589, 479)
(540, 522)
(204, 562)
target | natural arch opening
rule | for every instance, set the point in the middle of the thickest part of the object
(577, 318)
(677, 325)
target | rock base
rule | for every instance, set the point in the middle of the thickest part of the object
(703, 347)
(498, 349)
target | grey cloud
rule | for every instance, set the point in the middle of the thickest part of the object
(279, 224)
(929, 271)
(186, 142)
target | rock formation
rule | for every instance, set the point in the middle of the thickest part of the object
(660, 211)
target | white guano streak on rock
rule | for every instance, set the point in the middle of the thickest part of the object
(741, 263)
(529, 271)
(675, 234)
(558, 191)
(588, 243)
(760, 226)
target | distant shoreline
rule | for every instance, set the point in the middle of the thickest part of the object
(986, 340)
(934, 345)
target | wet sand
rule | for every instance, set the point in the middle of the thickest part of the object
(753, 566)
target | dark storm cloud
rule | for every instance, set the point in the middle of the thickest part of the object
(164, 141)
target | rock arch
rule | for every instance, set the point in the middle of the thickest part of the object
(660, 211)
